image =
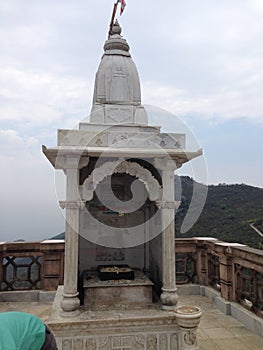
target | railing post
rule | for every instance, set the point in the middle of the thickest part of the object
(226, 273)
(1, 264)
(202, 264)
(53, 264)
(202, 247)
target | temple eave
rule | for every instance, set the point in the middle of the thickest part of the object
(180, 156)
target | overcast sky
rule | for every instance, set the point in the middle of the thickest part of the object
(200, 60)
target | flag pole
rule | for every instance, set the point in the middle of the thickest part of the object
(113, 16)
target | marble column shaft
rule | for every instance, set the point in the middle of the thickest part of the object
(70, 301)
(169, 295)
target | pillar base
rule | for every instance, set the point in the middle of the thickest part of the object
(169, 299)
(70, 305)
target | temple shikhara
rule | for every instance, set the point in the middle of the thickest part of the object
(119, 289)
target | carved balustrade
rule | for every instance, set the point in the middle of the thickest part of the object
(31, 265)
(233, 269)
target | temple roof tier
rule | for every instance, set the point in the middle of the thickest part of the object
(56, 154)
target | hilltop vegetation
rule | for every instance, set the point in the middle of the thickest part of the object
(228, 211)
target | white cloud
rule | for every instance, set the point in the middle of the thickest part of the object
(239, 99)
(199, 56)
(29, 207)
(196, 59)
(41, 98)
(13, 145)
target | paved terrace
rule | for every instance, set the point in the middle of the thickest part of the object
(216, 331)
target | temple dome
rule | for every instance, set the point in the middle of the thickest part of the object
(117, 92)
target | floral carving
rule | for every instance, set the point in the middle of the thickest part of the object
(140, 341)
(190, 338)
(134, 169)
(168, 204)
(72, 204)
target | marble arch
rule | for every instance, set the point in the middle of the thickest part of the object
(132, 168)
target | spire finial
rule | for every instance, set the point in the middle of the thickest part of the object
(123, 4)
(116, 28)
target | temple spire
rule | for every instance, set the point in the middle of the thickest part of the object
(117, 92)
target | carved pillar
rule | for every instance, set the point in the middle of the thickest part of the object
(70, 302)
(169, 296)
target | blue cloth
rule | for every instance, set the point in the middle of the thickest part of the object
(21, 331)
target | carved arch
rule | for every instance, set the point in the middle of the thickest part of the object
(132, 168)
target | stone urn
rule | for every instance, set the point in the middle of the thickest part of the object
(188, 319)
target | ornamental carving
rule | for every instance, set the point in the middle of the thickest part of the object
(165, 164)
(90, 344)
(190, 338)
(72, 204)
(152, 342)
(168, 204)
(141, 341)
(134, 169)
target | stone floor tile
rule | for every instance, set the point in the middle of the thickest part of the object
(231, 344)
(228, 321)
(208, 345)
(218, 333)
(254, 341)
(20, 306)
(209, 322)
(215, 332)
(201, 334)
(40, 310)
(240, 331)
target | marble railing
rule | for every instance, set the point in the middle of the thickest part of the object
(235, 270)
(31, 265)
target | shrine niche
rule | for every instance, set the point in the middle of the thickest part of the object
(119, 272)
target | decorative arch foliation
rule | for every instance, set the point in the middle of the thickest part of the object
(130, 167)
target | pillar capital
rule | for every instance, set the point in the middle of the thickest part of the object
(71, 161)
(168, 204)
(72, 204)
(165, 164)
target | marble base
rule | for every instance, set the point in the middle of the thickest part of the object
(115, 293)
(140, 329)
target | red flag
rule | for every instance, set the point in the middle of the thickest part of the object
(123, 4)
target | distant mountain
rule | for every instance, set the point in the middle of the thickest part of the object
(228, 212)
(59, 236)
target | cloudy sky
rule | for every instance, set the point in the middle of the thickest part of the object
(200, 60)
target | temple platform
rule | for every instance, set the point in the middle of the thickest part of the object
(121, 293)
(217, 331)
(137, 328)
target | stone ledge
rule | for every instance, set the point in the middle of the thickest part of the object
(27, 295)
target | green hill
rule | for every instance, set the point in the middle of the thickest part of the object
(228, 211)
